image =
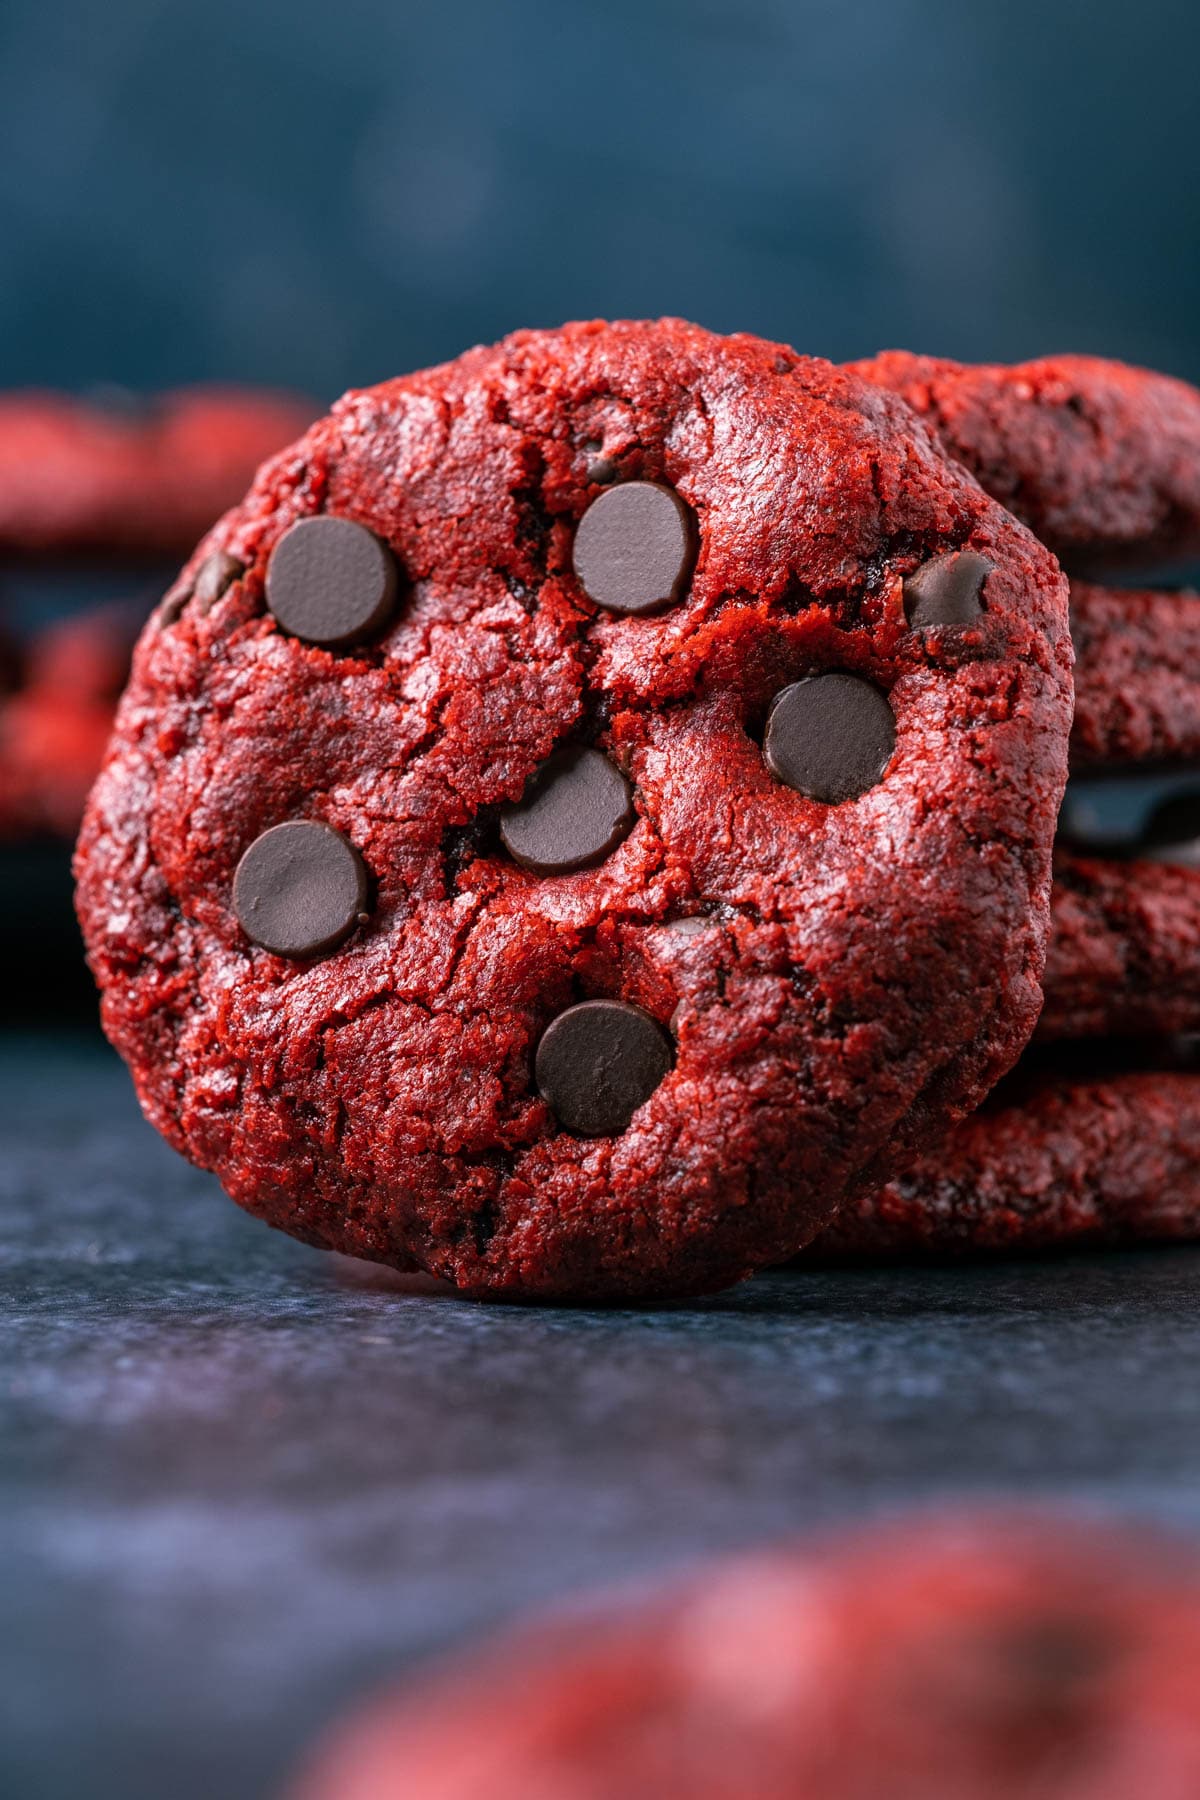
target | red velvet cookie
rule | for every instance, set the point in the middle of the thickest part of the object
(588, 805)
(1102, 460)
(1053, 1160)
(987, 1658)
(1137, 677)
(1054, 1163)
(76, 474)
(1124, 952)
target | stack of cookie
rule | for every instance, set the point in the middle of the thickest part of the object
(1096, 1137)
(583, 824)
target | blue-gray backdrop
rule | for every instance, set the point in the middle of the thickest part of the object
(321, 194)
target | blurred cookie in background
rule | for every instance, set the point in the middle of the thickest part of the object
(115, 473)
(101, 496)
(55, 719)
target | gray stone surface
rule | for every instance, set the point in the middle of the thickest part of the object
(236, 1488)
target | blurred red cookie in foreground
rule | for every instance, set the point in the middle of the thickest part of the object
(986, 1660)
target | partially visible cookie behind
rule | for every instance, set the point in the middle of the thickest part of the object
(1104, 460)
(1101, 459)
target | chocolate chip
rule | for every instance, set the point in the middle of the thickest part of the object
(576, 809)
(635, 547)
(300, 888)
(172, 606)
(830, 737)
(217, 572)
(601, 470)
(331, 582)
(947, 590)
(597, 1063)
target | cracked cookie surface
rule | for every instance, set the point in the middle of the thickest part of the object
(805, 961)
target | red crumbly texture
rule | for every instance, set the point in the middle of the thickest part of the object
(1137, 677)
(55, 725)
(980, 1658)
(1102, 460)
(851, 978)
(1064, 1165)
(1136, 701)
(76, 476)
(1124, 952)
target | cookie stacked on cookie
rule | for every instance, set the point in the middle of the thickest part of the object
(1097, 1136)
(565, 831)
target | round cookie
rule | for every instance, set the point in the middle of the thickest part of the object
(1124, 951)
(1137, 676)
(978, 1657)
(1102, 460)
(1055, 1163)
(141, 479)
(799, 968)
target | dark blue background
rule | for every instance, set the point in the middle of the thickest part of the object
(322, 194)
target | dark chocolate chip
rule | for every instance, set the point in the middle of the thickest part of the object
(172, 606)
(300, 888)
(331, 582)
(635, 547)
(830, 736)
(217, 572)
(947, 590)
(597, 1063)
(576, 809)
(601, 470)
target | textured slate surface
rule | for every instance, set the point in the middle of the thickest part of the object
(234, 1489)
